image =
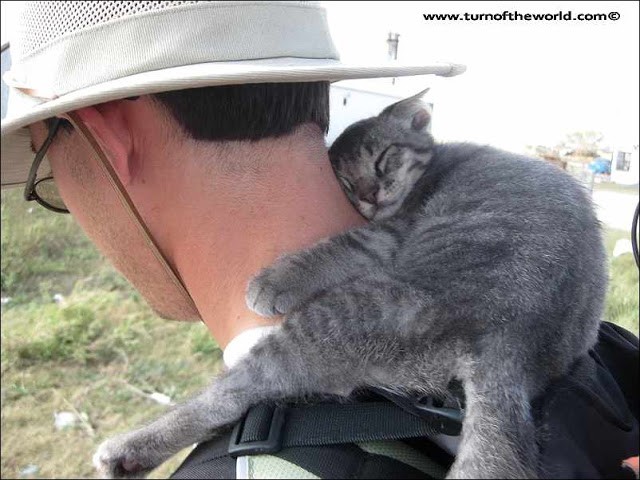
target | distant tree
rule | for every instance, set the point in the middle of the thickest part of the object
(549, 154)
(542, 151)
(585, 143)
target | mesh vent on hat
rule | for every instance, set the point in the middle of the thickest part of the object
(41, 22)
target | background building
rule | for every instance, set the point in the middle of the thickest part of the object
(624, 165)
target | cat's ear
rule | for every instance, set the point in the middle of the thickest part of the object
(420, 119)
(411, 111)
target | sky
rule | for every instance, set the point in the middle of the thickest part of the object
(527, 83)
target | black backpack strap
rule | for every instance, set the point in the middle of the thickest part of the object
(211, 460)
(321, 439)
(269, 429)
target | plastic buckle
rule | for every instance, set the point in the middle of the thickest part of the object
(449, 419)
(272, 444)
(445, 420)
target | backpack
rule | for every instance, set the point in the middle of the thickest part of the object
(587, 425)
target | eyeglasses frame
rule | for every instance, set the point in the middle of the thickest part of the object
(30, 193)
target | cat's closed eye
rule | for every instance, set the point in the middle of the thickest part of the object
(347, 184)
(387, 162)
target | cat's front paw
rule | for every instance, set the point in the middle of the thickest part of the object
(118, 458)
(274, 291)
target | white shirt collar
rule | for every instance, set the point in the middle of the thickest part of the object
(240, 345)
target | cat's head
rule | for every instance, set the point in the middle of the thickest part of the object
(379, 160)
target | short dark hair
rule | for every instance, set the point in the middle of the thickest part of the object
(248, 111)
(244, 112)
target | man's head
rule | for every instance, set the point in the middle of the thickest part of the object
(168, 150)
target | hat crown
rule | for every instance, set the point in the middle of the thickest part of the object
(60, 47)
(40, 23)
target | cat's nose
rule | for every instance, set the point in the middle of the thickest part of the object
(372, 195)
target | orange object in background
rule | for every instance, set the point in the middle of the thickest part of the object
(632, 463)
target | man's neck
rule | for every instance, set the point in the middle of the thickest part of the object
(279, 197)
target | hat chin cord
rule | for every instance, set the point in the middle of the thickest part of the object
(171, 275)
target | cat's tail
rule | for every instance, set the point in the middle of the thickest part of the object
(498, 432)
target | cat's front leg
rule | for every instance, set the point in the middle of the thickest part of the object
(134, 454)
(295, 278)
(121, 457)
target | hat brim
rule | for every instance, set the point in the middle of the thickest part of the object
(20, 110)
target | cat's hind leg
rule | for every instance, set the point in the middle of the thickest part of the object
(498, 432)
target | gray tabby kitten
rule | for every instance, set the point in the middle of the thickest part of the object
(477, 265)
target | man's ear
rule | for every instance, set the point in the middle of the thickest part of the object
(109, 126)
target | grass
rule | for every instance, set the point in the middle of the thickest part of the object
(98, 349)
(96, 356)
(615, 187)
(622, 298)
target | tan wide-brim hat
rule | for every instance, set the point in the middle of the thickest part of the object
(68, 55)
